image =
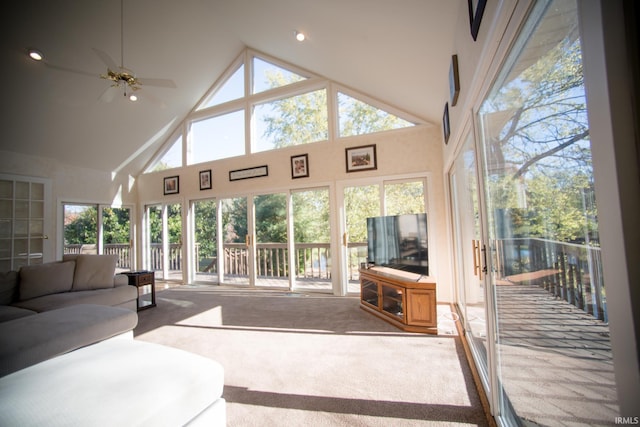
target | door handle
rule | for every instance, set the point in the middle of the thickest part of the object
(477, 266)
(345, 239)
(484, 260)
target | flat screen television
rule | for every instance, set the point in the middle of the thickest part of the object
(399, 242)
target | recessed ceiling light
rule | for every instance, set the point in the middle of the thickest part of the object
(132, 97)
(36, 55)
(300, 36)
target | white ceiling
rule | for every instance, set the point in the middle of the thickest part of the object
(396, 51)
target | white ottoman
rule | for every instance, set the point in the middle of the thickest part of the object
(119, 382)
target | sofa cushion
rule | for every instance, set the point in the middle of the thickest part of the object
(45, 279)
(8, 287)
(94, 272)
(117, 296)
(30, 340)
(8, 312)
(114, 383)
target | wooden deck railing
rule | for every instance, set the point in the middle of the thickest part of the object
(569, 271)
(313, 259)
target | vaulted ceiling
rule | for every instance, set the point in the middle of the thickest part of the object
(396, 51)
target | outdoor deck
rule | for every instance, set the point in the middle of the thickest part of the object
(556, 355)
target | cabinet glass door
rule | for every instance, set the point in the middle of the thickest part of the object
(393, 301)
(22, 217)
(369, 292)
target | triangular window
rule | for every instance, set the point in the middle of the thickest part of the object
(358, 118)
(269, 76)
(172, 158)
(233, 88)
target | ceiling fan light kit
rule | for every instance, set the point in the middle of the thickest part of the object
(35, 54)
(122, 77)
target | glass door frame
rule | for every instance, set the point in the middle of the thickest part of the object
(100, 226)
(486, 372)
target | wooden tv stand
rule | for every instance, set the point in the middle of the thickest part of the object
(406, 300)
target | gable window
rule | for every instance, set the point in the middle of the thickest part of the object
(217, 137)
(358, 118)
(287, 107)
(291, 121)
(268, 76)
(233, 88)
(172, 158)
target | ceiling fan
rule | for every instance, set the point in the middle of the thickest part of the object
(122, 78)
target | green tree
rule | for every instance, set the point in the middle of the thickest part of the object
(174, 224)
(81, 228)
(206, 229)
(538, 153)
(116, 225)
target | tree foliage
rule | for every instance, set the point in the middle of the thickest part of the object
(537, 149)
(82, 227)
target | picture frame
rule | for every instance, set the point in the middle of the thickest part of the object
(247, 173)
(300, 166)
(171, 185)
(446, 128)
(205, 180)
(454, 81)
(476, 10)
(361, 158)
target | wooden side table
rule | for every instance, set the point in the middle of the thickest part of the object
(146, 284)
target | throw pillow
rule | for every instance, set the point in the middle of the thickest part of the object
(45, 279)
(8, 287)
(94, 272)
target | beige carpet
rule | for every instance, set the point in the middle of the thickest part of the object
(309, 359)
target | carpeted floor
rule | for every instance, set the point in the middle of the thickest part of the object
(310, 359)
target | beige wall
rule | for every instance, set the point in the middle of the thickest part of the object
(401, 153)
(406, 152)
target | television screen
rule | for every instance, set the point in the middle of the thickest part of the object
(399, 241)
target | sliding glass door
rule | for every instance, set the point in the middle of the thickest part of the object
(235, 241)
(362, 201)
(164, 241)
(470, 253)
(312, 240)
(527, 254)
(98, 229)
(205, 254)
(271, 249)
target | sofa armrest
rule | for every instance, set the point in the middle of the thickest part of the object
(120, 280)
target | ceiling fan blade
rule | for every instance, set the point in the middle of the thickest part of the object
(146, 96)
(156, 82)
(68, 70)
(109, 94)
(108, 61)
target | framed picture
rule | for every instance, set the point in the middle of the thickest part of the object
(248, 173)
(454, 81)
(361, 158)
(299, 166)
(171, 185)
(476, 9)
(205, 179)
(446, 129)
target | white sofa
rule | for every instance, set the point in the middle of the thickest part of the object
(80, 366)
(77, 279)
(117, 382)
